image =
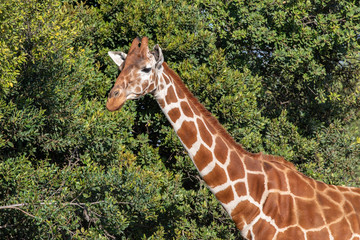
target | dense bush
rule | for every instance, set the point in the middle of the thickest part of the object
(282, 77)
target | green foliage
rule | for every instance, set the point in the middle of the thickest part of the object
(307, 54)
(281, 76)
(229, 94)
(337, 150)
(283, 139)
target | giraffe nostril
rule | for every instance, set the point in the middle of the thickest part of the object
(116, 93)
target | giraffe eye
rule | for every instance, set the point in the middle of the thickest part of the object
(146, 70)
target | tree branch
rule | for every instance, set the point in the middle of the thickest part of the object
(16, 206)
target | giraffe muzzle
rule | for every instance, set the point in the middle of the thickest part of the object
(115, 100)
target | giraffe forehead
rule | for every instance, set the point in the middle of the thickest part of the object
(137, 61)
(131, 68)
(130, 74)
(123, 78)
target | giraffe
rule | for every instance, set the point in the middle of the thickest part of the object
(265, 195)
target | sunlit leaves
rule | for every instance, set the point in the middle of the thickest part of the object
(281, 76)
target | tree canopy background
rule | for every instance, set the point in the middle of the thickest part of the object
(281, 76)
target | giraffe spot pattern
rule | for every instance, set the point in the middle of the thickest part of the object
(204, 133)
(317, 235)
(240, 189)
(276, 178)
(282, 207)
(170, 96)
(216, 177)
(167, 80)
(161, 103)
(208, 125)
(262, 230)
(347, 207)
(354, 200)
(225, 196)
(331, 210)
(299, 186)
(309, 214)
(186, 109)
(340, 230)
(354, 221)
(245, 211)
(256, 183)
(235, 168)
(194, 108)
(144, 84)
(320, 186)
(342, 189)
(356, 190)
(174, 114)
(221, 150)
(294, 232)
(334, 195)
(203, 157)
(239, 224)
(252, 164)
(152, 87)
(180, 93)
(188, 133)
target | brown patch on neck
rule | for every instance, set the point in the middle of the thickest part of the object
(211, 122)
(187, 133)
(215, 127)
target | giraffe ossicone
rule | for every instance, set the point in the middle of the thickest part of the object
(265, 195)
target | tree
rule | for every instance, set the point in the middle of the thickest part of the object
(280, 76)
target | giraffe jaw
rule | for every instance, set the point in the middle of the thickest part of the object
(115, 103)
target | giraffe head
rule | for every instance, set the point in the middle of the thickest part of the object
(139, 69)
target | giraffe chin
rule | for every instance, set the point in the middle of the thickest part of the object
(114, 104)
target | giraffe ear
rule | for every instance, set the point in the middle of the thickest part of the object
(118, 58)
(159, 57)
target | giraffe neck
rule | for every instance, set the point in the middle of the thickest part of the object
(219, 160)
(266, 196)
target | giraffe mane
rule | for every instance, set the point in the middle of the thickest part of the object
(219, 128)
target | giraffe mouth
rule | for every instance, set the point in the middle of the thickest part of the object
(115, 103)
